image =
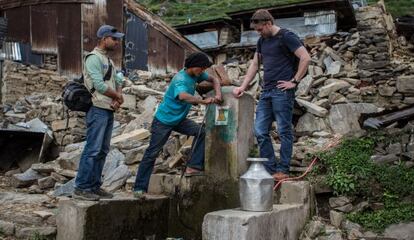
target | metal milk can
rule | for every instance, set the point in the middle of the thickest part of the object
(256, 187)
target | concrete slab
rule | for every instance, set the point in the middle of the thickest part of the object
(163, 183)
(294, 192)
(284, 222)
(124, 218)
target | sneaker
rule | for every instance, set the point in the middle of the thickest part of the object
(85, 195)
(139, 194)
(104, 194)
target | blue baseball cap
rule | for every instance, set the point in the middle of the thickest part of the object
(108, 31)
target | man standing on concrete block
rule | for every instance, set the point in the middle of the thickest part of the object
(171, 116)
(106, 88)
(279, 50)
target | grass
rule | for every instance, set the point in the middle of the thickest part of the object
(398, 8)
(379, 220)
(350, 171)
(177, 12)
(202, 10)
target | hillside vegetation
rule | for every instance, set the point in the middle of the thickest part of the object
(177, 12)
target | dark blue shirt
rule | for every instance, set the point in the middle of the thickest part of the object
(278, 57)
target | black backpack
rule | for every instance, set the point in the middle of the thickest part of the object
(76, 96)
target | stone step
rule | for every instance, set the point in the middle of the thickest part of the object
(288, 192)
(163, 183)
(286, 222)
(124, 218)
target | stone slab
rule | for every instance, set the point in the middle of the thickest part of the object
(125, 218)
(284, 222)
(138, 134)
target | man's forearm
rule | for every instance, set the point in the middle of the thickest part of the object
(111, 93)
(251, 73)
(217, 86)
(189, 98)
(303, 65)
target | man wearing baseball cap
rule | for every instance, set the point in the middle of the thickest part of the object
(106, 87)
(171, 116)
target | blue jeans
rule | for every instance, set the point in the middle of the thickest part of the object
(275, 104)
(99, 124)
(159, 136)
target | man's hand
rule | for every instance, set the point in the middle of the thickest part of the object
(119, 98)
(115, 105)
(238, 92)
(285, 85)
(207, 101)
(218, 99)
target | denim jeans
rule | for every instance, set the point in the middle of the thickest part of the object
(99, 124)
(159, 136)
(275, 104)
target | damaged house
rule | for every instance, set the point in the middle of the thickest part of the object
(225, 38)
(41, 48)
(149, 44)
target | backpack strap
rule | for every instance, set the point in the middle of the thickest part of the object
(259, 59)
(108, 73)
(284, 47)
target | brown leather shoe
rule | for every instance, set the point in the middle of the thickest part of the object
(280, 176)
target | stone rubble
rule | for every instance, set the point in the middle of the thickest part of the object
(352, 73)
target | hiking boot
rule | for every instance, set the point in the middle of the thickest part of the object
(104, 194)
(139, 194)
(85, 195)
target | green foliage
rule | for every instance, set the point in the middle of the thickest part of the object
(349, 171)
(202, 10)
(398, 8)
(254, 152)
(378, 220)
(348, 167)
(179, 12)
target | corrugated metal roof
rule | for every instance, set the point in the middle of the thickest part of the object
(11, 51)
(7, 4)
(205, 39)
(20, 52)
(314, 23)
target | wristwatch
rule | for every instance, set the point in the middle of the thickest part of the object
(295, 81)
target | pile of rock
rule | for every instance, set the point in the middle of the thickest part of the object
(400, 148)
(21, 80)
(337, 227)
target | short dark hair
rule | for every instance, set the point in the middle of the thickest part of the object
(197, 59)
(261, 16)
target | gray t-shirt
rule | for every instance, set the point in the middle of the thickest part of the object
(278, 57)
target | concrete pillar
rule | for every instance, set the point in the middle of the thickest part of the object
(113, 219)
(228, 145)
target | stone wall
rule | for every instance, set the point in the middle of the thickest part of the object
(20, 80)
